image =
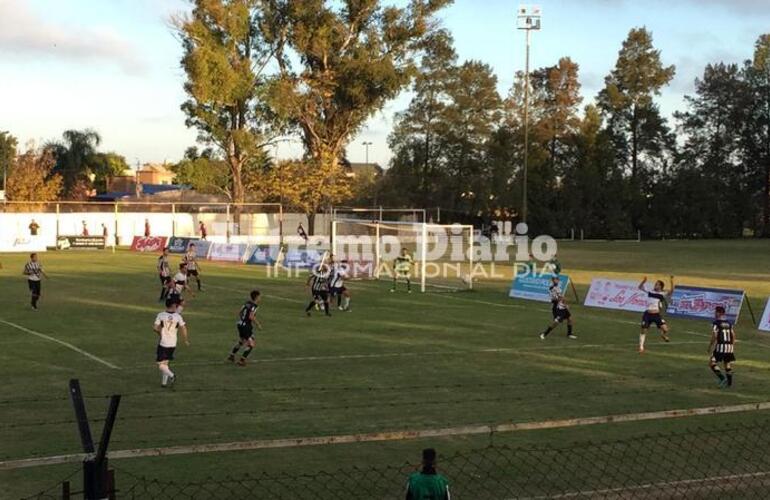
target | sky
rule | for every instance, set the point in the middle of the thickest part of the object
(113, 65)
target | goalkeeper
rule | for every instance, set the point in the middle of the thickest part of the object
(403, 269)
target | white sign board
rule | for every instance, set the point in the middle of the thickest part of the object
(764, 323)
(616, 294)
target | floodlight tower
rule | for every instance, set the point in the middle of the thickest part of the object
(528, 19)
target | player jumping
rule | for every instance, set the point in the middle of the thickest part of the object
(318, 283)
(164, 273)
(193, 269)
(34, 271)
(559, 309)
(656, 302)
(403, 269)
(167, 324)
(722, 348)
(339, 272)
(247, 319)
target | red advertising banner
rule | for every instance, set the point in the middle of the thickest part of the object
(148, 244)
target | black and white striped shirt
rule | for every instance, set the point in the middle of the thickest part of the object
(163, 268)
(319, 283)
(725, 336)
(189, 259)
(33, 270)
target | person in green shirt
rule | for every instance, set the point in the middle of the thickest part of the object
(427, 484)
(555, 265)
(403, 269)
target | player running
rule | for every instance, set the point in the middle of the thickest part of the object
(722, 348)
(657, 299)
(559, 309)
(34, 273)
(403, 269)
(318, 283)
(164, 274)
(167, 324)
(193, 269)
(339, 272)
(247, 319)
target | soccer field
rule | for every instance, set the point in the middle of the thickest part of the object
(396, 362)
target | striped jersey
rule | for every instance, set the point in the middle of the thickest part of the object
(557, 297)
(169, 323)
(33, 270)
(163, 268)
(189, 259)
(725, 336)
(248, 309)
(180, 282)
(404, 263)
(319, 282)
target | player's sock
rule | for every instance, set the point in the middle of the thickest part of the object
(408, 285)
(346, 303)
(199, 284)
(717, 372)
(642, 339)
(310, 306)
(326, 308)
(569, 329)
(35, 298)
(247, 352)
(547, 331)
(236, 348)
(163, 379)
(729, 377)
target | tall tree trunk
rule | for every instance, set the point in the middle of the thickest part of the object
(310, 223)
(634, 145)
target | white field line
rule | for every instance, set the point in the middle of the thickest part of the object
(61, 342)
(466, 430)
(268, 295)
(687, 483)
(489, 350)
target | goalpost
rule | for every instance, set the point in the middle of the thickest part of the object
(442, 253)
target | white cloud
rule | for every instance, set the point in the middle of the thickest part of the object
(26, 34)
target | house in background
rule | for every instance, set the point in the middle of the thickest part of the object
(150, 180)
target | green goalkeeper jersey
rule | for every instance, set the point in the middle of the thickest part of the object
(404, 263)
(427, 487)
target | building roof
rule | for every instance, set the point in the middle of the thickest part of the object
(355, 169)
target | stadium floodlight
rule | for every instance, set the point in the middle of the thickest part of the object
(366, 145)
(528, 19)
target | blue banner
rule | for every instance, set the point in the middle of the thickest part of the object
(202, 248)
(303, 259)
(264, 255)
(535, 286)
(699, 303)
(179, 245)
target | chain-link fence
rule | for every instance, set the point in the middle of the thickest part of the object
(727, 462)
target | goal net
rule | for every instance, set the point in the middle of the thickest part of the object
(442, 254)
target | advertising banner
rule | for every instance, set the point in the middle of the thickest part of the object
(22, 244)
(303, 259)
(764, 323)
(620, 295)
(535, 286)
(202, 248)
(699, 303)
(80, 243)
(227, 252)
(264, 255)
(177, 244)
(148, 244)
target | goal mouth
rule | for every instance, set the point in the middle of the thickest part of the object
(436, 257)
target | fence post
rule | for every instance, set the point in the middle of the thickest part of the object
(65, 490)
(280, 224)
(227, 222)
(173, 220)
(57, 223)
(115, 237)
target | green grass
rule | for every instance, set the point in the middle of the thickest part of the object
(396, 362)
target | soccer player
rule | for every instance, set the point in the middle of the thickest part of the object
(403, 269)
(559, 309)
(722, 348)
(167, 324)
(656, 302)
(146, 228)
(427, 483)
(202, 230)
(318, 283)
(179, 283)
(34, 227)
(301, 232)
(164, 273)
(193, 269)
(339, 272)
(247, 319)
(34, 271)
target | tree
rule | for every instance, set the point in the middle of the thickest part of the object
(627, 98)
(225, 60)
(8, 145)
(106, 165)
(338, 66)
(75, 158)
(301, 184)
(33, 178)
(757, 140)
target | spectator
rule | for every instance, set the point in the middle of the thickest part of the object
(202, 230)
(84, 232)
(146, 228)
(427, 484)
(105, 233)
(301, 232)
(33, 228)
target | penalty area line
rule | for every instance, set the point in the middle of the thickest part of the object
(61, 342)
(400, 435)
